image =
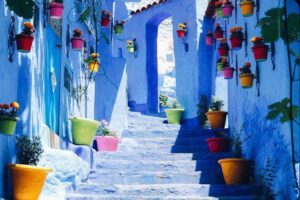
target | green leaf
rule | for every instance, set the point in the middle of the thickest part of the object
(84, 16)
(273, 114)
(22, 8)
(104, 36)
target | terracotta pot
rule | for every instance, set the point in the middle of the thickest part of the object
(235, 170)
(209, 40)
(217, 119)
(218, 144)
(260, 52)
(219, 34)
(24, 42)
(247, 8)
(56, 10)
(181, 33)
(107, 143)
(77, 43)
(223, 51)
(105, 21)
(236, 43)
(228, 72)
(246, 80)
(27, 181)
(227, 11)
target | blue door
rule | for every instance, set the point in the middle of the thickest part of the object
(52, 70)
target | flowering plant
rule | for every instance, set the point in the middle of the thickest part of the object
(226, 3)
(218, 4)
(257, 40)
(94, 57)
(247, 1)
(223, 43)
(223, 64)
(104, 129)
(182, 26)
(9, 110)
(209, 34)
(236, 32)
(28, 28)
(77, 33)
(246, 68)
(121, 23)
(218, 27)
(106, 14)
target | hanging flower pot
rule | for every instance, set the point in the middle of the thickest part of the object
(215, 116)
(218, 144)
(218, 32)
(8, 118)
(218, 8)
(24, 40)
(236, 37)
(224, 48)
(227, 9)
(182, 30)
(260, 50)
(77, 41)
(225, 68)
(228, 72)
(93, 62)
(247, 7)
(105, 18)
(246, 76)
(94, 66)
(119, 27)
(131, 46)
(56, 9)
(209, 39)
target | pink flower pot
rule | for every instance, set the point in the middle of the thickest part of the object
(77, 43)
(107, 143)
(227, 11)
(228, 72)
(209, 41)
(56, 10)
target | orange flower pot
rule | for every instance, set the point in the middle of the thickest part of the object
(235, 170)
(94, 66)
(247, 8)
(246, 80)
(217, 119)
(27, 181)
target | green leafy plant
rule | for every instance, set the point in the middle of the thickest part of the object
(203, 107)
(104, 130)
(79, 92)
(163, 100)
(176, 105)
(236, 143)
(216, 104)
(22, 8)
(29, 151)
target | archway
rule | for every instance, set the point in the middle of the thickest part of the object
(152, 60)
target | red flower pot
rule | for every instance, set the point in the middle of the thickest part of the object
(216, 145)
(181, 33)
(209, 40)
(219, 34)
(236, 43)
(260, 52)
(228, 72)
(107, 143)
(105, 22)
(56, 10)
(223, 51)
(77, 43)
(24, 42)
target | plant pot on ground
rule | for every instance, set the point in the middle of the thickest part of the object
(223, 48)
(119, 27)
(175, 113)
(182, 30)
(106, 139)
(209, 38)
(260, 50)
(24, 40)
(84, 131)
(247, 7)
(77, 41)
(93, 62)
(226, 69)
(236, 37)
(218, 32)
(216, 117)
(8, 118)
(246, 76)
(28, 179)
(227, 9)
(56, 9)
(105, 18)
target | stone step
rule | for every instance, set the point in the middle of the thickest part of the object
(164, 190)
(191, 166)
(165, 149)
(156, 177)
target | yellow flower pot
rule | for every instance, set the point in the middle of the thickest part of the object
(94, 66)
(246, 80)
(217, 119)
(247, 8)
(27, 181)
(235, 170)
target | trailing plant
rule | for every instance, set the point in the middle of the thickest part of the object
(9, 110)
(29, 151)
(28, 28)
(216, 104)
(203, 107)
(104, 130)
(22, 8)
(77, 33)
(163, 100)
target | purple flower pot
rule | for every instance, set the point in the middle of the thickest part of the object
(228, 72)
(107, 143)
(227, 11)
(56, 10)
(77, 43)
(209, 41)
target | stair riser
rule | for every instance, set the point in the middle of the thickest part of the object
(164, 133)
(164, 141)
(166, 149)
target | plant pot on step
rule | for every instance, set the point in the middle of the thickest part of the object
(247, 8)
(217, 119)
(56, 10)
(8, 125)
(228, 72)
(260, 52)
(84, 131)
(235, 170)
(174, 116)
(77, 43)
(107, 143)
(27, 181)
(24, 42)
(218, 144)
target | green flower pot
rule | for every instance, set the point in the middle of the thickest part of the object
(119, 29)
(84, 131)
(8, 125)
(131, 49)
(174, 116)
(219, 12)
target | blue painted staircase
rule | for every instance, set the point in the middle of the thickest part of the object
(158, 161)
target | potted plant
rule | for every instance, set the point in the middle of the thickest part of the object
(119, 27)
(218, 144)
(182, 30)
(77, 41)
(246, 76)
(247, 7)
(175, 113)
(218, 32)
(105, 18)
(226, 69)
(209, 38)
(215, 115)
(28, 179)
(84, 130)
(93, 62)
(56, 9)
(131, 46)
(25, 38)
(236, 170)
(8, 118)
(218, 8)
(227, 8)
(106, 139)
(223, 48)
(236, 37)
(163, 102)
(260, 50)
